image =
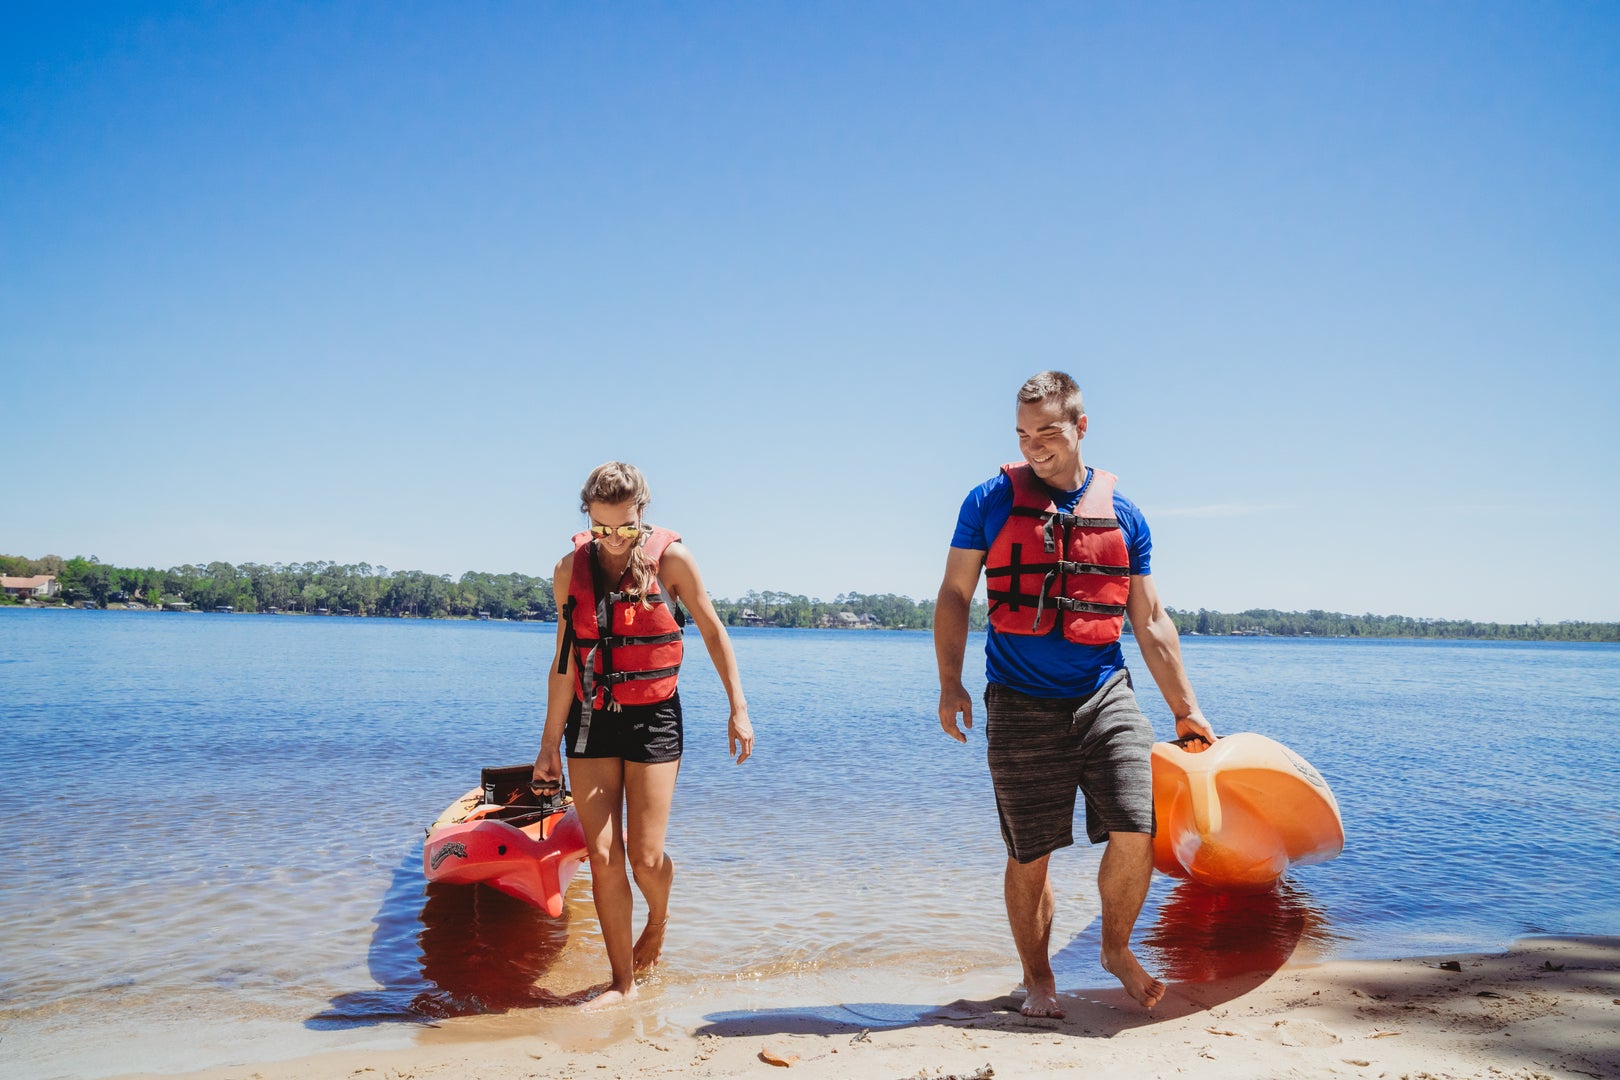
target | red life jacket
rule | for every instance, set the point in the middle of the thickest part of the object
(638, 660)
(1045, 565)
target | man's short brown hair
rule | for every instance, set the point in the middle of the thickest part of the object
(1054, 386)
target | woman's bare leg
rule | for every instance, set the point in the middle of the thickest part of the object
(598, 787)
(649, 790)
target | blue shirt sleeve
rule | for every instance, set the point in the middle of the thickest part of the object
(983, 513)
(1138, 540)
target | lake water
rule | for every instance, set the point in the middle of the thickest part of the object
(216, 820)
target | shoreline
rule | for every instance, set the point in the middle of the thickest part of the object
(1262, 635)
(1546, 1007)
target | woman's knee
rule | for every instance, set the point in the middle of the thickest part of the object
(645, 863)
(605, 857)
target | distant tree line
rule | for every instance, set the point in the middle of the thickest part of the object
(886, 610)
(362, 589)
(1333, 624)
(359, 589)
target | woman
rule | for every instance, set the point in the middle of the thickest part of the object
(612, 698)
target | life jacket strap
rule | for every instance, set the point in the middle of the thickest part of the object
(568, 637)
(643, 639)
(1046, 585)
(1016, 568)
(1072, 522)
(637, 676)
(1062, 603)
(636, 598)
(1068, 603)
(587, 676)
(1012, 598)
(1094, 568)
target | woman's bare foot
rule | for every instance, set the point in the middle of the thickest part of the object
(1147, 990)
(650, 945)
(1041, 1000)
(609, 997)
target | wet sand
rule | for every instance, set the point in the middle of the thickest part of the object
(1548, 1007)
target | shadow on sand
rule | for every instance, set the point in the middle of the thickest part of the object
(1211, 947)
(449, 950)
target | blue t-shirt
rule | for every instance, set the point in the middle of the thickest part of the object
(1046, 665)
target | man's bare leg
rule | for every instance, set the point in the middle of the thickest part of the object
(1029, 911)
(649, 790)
(598, 785)
(1122, 880)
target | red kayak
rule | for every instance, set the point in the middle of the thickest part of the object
(1238, 814)
(505, 837)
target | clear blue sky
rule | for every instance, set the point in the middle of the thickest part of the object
(381, 282)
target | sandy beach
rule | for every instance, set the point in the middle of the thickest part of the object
(1548, 1007)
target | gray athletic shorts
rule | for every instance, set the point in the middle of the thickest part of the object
(1044, 749)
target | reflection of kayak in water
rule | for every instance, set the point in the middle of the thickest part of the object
(483, 952)
(1206, 935)
(502, 835)
(1239, 814)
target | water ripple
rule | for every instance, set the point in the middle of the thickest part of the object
(221, 818)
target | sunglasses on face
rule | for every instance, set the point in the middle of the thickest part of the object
(623, 532)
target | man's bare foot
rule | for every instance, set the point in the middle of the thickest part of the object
(1040, 999)
(609, 998)
(650, 945)
(1147, 990)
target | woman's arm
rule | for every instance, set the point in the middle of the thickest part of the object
(678, 572)
(559, 686)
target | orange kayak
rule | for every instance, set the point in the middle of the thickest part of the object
(1237, 815)
(524, 851)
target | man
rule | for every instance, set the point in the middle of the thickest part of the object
(1066, 558)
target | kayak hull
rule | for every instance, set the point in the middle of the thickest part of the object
(1238, 815)
(533, 861)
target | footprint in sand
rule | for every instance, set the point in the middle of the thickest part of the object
(1301, 1033)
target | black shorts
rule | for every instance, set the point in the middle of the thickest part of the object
(1042, 749)
(646, 734)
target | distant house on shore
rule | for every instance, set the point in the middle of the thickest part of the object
(848, 620)
(40, 585)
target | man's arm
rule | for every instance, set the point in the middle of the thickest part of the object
(955, 600)
(1161, 647)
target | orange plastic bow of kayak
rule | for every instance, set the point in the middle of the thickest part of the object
(1237, 815)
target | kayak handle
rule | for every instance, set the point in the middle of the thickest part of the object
(553, 795)
(1185, 739)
